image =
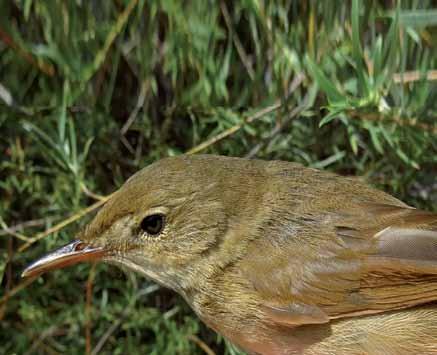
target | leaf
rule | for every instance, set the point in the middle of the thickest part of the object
(357, 51)
(406, 159)
(73, 162)
(387, 136)
(374, 137)
(418, 18)
(334, 95)
(85, 151)
(378, 75)
(391, 47)
(63, 115)
(414, 35)
(330, 160)
(44, 137)
(353, 138)
(3, 262)
(331, 116)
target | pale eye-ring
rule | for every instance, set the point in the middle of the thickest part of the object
(153, 224)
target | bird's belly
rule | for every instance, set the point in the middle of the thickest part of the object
(289, 346)
(407, 332)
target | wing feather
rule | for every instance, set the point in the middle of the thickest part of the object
(368, 259)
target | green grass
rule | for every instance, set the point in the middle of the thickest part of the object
(91, 91)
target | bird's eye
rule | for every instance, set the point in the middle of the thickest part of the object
(153, 224)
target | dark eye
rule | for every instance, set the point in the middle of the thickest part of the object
(153, 224)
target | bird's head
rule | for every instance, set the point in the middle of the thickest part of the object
(162, 222)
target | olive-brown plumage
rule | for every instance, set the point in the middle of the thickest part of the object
(279, 258)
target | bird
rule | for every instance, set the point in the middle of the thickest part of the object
(277, 257)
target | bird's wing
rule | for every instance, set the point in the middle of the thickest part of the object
(371, 258)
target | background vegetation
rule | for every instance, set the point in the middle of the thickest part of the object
(91, 91)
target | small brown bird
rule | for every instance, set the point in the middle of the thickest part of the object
(279, 258)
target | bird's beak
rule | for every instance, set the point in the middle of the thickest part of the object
(70, 254)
